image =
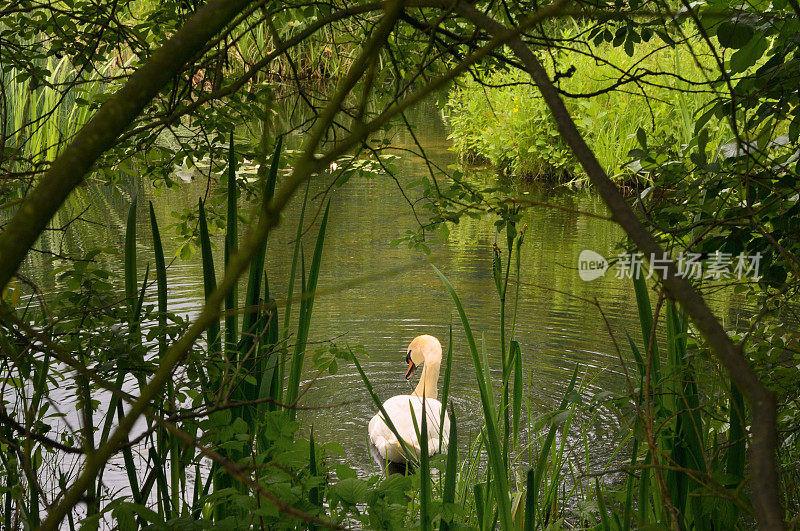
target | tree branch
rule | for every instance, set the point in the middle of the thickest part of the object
(68, 170)
(762, 461)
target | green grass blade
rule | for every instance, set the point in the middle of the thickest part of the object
(140, 299)
(451, 467)
(272, 311)
(544, 453)
(735, 456)
(130, 261)
(628, 506)
(257, 263)
(272, 176)
(161, 281)
(137, 334)
(530, 501)
(209, 278)
(516, 403)
(646, 322)
(213, 335)
(161, 482)
(313, 493)
(42, 371)
(417, 431)
(130, 464)
(251, 324)
(198, 480)
(134, 302)
(304, 323)
(279, 377)
(231, 246)
(295, 256)
(479, 493)
(8, 497)
(640, 363)
(161, 285)
(494, 445)
(425, 473)
(268, 386)
(689, 423)
(644, 507)
(487, 382)
(446, 384)
(676, 481)
(673, 372)
(601, 507)
(316, 260)
(197, 510)
(112, 407)
(267, 381)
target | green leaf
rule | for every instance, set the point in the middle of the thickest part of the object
(424, 470)
(124, 517)
(451, 468)
(530, 501)
(130, 259)
(516, 408)
(446, 381)
(351, 490)
(601, 506)
(629, 47)
(161, 279)
(209, 276)
(641, 137)
(734, 34)
(147, 514)
(313, 494)
(231, 245)
(306, 306)
(185, 251)
(749, 54)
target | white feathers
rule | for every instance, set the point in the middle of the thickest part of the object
(425, 351)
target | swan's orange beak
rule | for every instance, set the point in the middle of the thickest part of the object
(411, 369)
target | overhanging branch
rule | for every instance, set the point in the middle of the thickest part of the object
(68, 170)
(765, 490)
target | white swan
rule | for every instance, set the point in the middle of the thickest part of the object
(424, 351)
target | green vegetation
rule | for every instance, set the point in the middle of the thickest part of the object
(191, 419)
(499, 116)
(39, 117)
(231, 399)
(227, 404)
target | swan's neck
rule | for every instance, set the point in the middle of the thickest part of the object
(428, 381)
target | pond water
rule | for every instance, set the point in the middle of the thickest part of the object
(405, 298)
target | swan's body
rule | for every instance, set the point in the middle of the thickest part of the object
(426, 351)
(399, 410)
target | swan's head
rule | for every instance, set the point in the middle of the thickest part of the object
(422, 349)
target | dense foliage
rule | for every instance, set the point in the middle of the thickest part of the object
(501, 119)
